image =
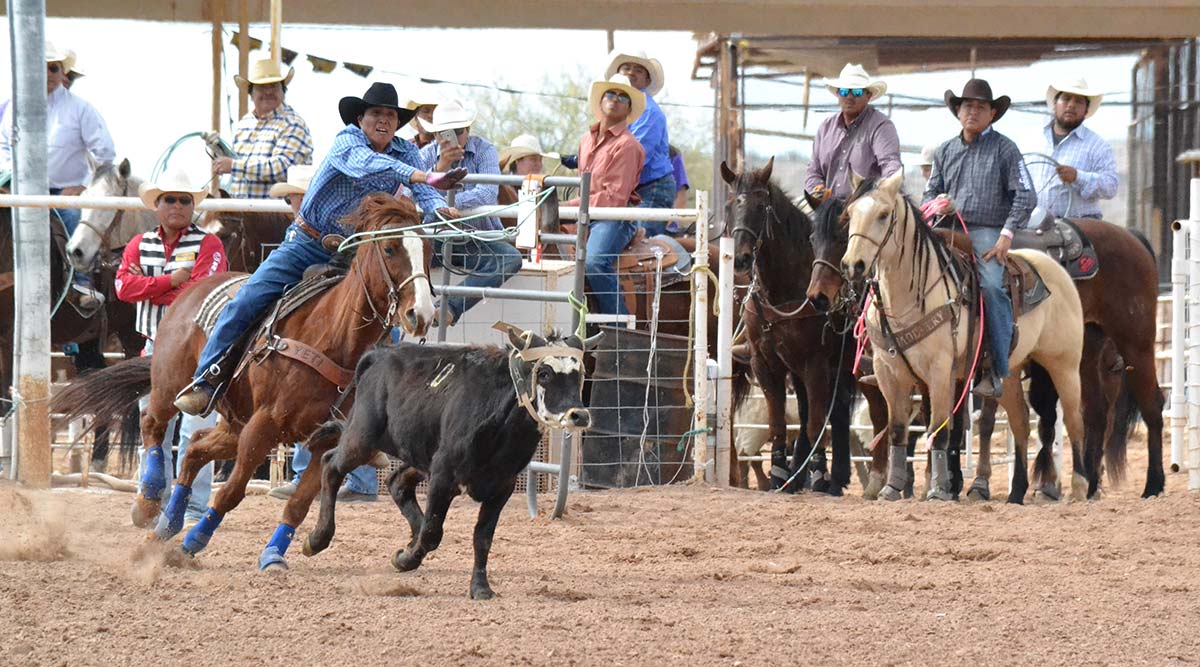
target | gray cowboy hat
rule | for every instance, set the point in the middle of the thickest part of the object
(378, 95)
(977, 89)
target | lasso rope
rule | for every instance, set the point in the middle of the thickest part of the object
(163, 160)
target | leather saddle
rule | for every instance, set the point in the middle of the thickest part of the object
(638, 267)
(1062, 240)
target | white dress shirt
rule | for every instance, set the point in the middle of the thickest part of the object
(75, 130)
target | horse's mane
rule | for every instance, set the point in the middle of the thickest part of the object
(829, 219)
(378, 209)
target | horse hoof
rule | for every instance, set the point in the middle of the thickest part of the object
(271, 560)
(889, 492)
(482, 593)
(404, 562)
(145, 512)
(939, 494)
(1047, 494)
(980, 491)
(873, 487)
(308, 549)
(1079, 487)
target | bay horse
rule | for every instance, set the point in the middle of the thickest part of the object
(1120, 376)
(276, 399)
(788, 338)
(915, 275)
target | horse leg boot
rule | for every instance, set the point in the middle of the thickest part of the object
(217, 442)
(939, 478)
(485, 528)
(321, 441)
(897, 463)
(153, 482)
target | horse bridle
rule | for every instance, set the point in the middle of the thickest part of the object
(107, 234)
(394, 290)
(770, 209)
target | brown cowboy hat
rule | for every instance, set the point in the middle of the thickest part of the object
(977, 89)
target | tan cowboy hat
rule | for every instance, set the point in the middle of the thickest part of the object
(176, 181)
(263, 72)
(64, 56)
(619, 82)
(448, 116)
(655, 68)
(926, 158)
(298, 178)
(1076, 87)
(854, 76)
(523, 146)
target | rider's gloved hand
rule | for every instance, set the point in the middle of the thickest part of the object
(446, 179)
(938, 206)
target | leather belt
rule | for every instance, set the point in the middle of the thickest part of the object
(309, 230)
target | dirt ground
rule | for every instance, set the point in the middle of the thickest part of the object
(682, 575)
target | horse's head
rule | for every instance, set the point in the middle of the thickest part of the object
(748, 212)
(394, 267)
(872, 224)
(548, 376)
(96, 226)
(829, 240)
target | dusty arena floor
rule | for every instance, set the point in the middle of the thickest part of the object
(684, 575)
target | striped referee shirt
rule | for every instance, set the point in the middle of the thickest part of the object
(150, 289)
(266, 147)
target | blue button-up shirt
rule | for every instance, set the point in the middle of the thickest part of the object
(1096, 169)
(650, 128)
(479, 157)
(986, 179)
(353, 170)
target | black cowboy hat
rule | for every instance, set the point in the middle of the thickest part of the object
(977, 89)
(378, 95)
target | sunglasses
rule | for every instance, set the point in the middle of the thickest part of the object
(182, 200)
(459, 131)
(618, 97)
(847, 92)
(53, 68)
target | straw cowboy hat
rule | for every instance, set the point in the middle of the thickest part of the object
(854, 76)
(176, 181)
(378, 95)
(64, 56)
(523, 146)
(637, 99)
(448, 116)
(655, 68)
(264, 72)
(298, 178)
(926, 158)
(1076, 87)
(977, 89)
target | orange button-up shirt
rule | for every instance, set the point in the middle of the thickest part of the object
(614, 158)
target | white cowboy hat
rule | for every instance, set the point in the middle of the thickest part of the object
(637, 99)
(854, 76)
(1076, 87)
(448, 116)
(298, 178)
(523, 146)
(176, 181)
(264, 72)
(655, 68)
(926, 158)
(64, 56)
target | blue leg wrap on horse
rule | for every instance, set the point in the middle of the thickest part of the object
(198, 537)
(170, 522)
(154, 476)
(277, 547)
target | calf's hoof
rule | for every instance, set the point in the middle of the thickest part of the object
(403, 561)
(145, 511)
(482, 592)
(309, 548)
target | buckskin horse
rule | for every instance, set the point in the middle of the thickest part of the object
(787, 336)
(922, 312)
(1119, 335)
(294, 371)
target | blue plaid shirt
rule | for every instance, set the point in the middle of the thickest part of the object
(1094, 164)
(986, 179)
(479, 157)
(353, 170)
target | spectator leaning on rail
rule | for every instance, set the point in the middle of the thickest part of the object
(156, 266)
(361, 484)
(76, 132)
(366, 157)
(656, 185)
(1086, 171)
(490, 263)
(980, 173)
(268, 139)
(858, 139)
(614, 158)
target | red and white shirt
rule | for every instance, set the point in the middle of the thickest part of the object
(194, 249)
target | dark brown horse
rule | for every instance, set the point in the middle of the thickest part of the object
(1119, 309)
(276, 399)
(247, 237)
(790, 341)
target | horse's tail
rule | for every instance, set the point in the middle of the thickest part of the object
(1145, 242)
(108, 395)
(1125, 419)
(741, 383)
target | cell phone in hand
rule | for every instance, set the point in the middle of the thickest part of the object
(449, 136)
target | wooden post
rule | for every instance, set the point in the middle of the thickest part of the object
(217, 9)
(243, 52)
(276, 26)
(611, 40)
(807, 92)
(700, 469)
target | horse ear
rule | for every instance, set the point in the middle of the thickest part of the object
(727, 173)
(813, 202)
(891, 184)
(855, 181)
(764, 174)
(124, 169)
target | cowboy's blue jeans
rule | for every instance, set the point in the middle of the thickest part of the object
(360, 480)
(606, 240)
(998, 315)
(659, 193)
(490, 263)
(282, 269)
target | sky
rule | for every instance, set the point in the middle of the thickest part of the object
(152, 81)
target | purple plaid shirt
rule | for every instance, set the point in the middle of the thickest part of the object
(873, 151)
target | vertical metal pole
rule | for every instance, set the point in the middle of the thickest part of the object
(700, 467)
(31, 244)
(577, 318)
(1193, 369)
(724, 359)
(1178, 414)
(447, 252)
